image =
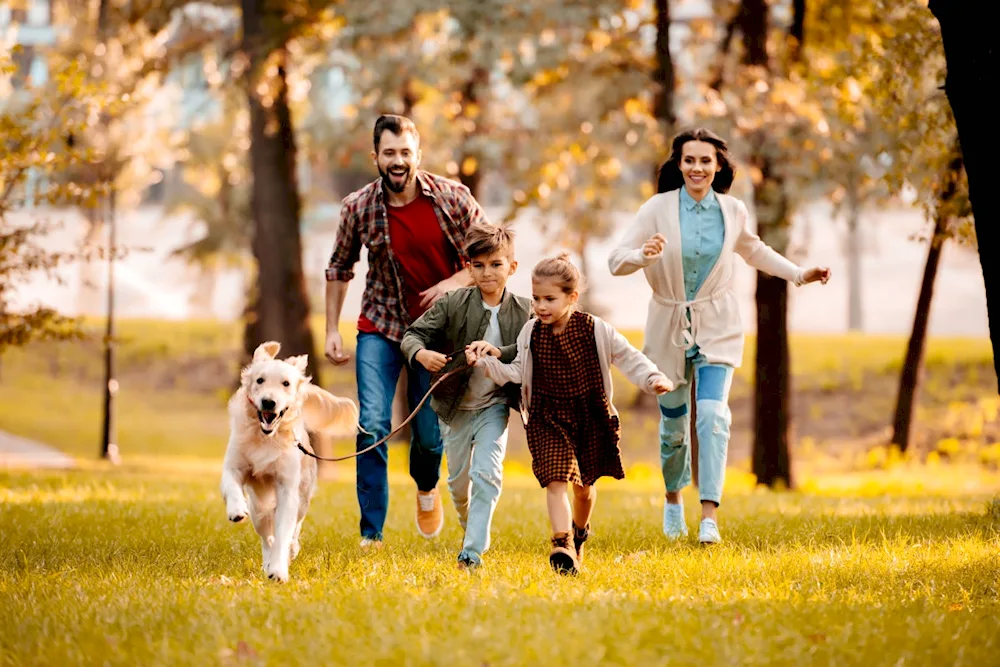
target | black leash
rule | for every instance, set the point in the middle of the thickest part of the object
(398, 428)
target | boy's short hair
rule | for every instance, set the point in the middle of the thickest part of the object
(486, 239)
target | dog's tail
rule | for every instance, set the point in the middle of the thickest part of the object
(329, 414)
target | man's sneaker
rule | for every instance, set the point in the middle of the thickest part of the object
(370, 543)
(708, 533)
(673, 521)
(580, 536)
(430, 514)
(562, 558)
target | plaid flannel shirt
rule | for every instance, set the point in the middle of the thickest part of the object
(364, 221)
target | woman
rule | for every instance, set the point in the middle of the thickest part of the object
(684, 238)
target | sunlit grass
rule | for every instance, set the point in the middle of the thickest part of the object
(141, 567)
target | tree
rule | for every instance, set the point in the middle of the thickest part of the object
(949, 204)
(34, 124)
(970, 49)
(280, 308)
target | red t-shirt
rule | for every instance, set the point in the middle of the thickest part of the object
(424, 257)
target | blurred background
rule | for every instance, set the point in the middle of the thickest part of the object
(166, 157)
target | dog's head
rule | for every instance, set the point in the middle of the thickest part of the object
(273, 385)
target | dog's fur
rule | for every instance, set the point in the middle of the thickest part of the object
(268, 415)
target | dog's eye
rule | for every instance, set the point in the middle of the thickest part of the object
(260, 380)
(286, 383)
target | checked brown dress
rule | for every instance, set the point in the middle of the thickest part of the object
(572, 435)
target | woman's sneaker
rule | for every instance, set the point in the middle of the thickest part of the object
(673, 521)
(708, 532)
(562, 558)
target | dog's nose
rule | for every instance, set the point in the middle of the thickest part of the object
(267, 405)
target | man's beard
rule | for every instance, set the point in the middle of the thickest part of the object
(393, 185)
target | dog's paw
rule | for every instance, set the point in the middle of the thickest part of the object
(293, 550)
(277, 572)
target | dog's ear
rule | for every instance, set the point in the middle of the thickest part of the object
(301, 362)
(266, 351)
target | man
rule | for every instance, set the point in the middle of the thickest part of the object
(413, 224)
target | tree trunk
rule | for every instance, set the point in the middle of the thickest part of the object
(753, 22)
(282, 306)
(970, 49)
(664, 79)
(855, 314)
(902, 422)
(771, 456)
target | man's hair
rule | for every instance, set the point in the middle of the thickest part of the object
(485, 239)
(398, 125)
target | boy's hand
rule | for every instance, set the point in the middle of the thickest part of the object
(662, 386)
(816, 274)
(431, 360)
(479, 349)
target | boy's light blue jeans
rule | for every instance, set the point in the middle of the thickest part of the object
(713, 420)
(475, 443)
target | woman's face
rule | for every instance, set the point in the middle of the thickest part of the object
(699, 165)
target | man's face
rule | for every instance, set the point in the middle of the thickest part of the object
(397, 160)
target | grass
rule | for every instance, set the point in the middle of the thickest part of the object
(175, 378)
(139, 566)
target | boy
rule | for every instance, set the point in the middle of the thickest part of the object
(471, 408)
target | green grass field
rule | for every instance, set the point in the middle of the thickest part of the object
(875, 559)
(175, 378)
(126, 567)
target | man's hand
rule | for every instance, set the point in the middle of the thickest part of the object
(654, 246)
(816, 274)
(432, 294)
(662, 386)
(431, 360)
(478, 349)
(335, 349)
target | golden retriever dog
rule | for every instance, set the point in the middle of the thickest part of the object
(268, 416)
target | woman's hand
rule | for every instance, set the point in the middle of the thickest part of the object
(820, 274)
(654, 246)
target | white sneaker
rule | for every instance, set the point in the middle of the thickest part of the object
(708, 532)
(369, 543)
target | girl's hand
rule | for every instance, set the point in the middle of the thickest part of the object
(821, 274)
(479, 349)
(662, 386)
(654, 246)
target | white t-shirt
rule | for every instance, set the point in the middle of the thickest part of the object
(480, 392)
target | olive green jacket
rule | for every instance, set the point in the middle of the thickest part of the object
(455, 320)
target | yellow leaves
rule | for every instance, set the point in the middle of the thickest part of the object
(634, 108)
(599, 40)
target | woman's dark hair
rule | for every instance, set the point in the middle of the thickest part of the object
(670, 177)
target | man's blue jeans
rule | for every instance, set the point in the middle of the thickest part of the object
(379, 362)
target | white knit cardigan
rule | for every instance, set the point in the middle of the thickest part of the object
(715, 325)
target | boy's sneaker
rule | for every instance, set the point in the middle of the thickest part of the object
(673, 521)
(562, 558)
(467, 562)
(370, 543)
(580, 536)
(708, 533)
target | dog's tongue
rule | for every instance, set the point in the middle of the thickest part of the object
(268, 417)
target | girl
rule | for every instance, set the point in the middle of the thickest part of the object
(563, 364)
(684, 238)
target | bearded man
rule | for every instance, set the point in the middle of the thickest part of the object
(414, 225)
